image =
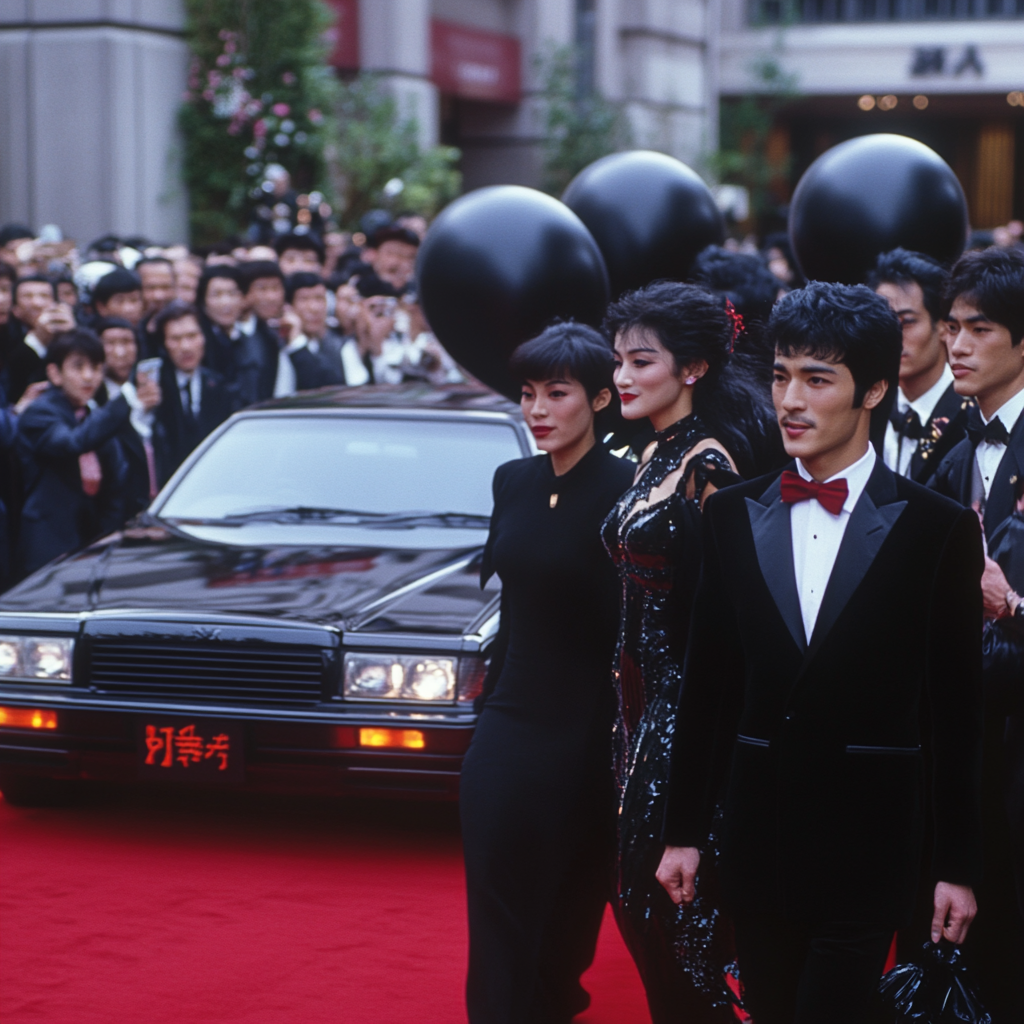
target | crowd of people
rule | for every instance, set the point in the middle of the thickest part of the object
(117, 362)
(809, 594)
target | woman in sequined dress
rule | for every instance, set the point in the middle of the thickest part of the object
(672, 349)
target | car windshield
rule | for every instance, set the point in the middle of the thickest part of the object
(317, 466)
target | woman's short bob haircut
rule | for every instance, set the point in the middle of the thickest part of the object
(568, 351)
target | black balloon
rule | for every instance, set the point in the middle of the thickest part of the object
(650, 214)
(497, 267)
(869, 195)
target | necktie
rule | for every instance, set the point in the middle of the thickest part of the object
(993, 431)
(906, 424)
(186, 398)
(89, 467)
(831, 496)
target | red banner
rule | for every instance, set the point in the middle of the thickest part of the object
(343, 35)
(474, 64)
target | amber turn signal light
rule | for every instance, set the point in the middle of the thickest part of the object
(27, 718)
(408, 739)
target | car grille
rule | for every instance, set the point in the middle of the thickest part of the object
(207, 673)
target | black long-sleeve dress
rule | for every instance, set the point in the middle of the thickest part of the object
(537, 801)
(682, 953)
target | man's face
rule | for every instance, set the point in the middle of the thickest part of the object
(311, 306)
(30, 299)
(223, 303)
(157, 285)
(67, 293)
(923, 350)
(982, 356)
(185, 344)
(395, 263)
(126, 305)
(266, 298)
(9, 252)
(296, 261)
(121, 351)
(186, 274)
(6, 300)
(814, 403)
(77, 377)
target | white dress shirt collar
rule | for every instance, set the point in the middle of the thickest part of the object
(856, 476)
(1009, 412)
(924, 405)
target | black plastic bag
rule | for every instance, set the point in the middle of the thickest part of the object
(938, 991)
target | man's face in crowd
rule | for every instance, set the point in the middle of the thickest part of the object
(185, 344)
(30, 299)
(157, 285)
(346, 306)
(814, 404)
(266, 298)
(923, 351)
(125, 305)
(985, 362)
(395, 263)
(186, 274)
(223, 303)
(121, 351)
(67, 293)
(296, 261)
(77, 377)
(6, 300)
(9, 252)
(311, 306)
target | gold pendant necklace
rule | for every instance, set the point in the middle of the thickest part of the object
(553, 501)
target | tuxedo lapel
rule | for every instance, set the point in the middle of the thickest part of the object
(773, 541)
(1000, 501)
(945, 428)
(872, 518)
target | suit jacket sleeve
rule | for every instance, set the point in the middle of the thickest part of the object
(954, 682)
(709, 701)
(49, 436)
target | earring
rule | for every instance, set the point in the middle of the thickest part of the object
(691, 380)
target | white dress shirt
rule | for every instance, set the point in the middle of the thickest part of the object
(989, 454)
(899, 453)
(817, 535)
(35, 344)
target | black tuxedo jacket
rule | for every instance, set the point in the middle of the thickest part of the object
(820, 745)
(954, 477)
(175, 435)
(23, 365)
(58, 515)
(322, 368)
(945, 429)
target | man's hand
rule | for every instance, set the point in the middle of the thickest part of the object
(32, 392)
(677, 872)
(994, 587)
(148, 391)
(955, 908)
(374, 323)
(54, 320)
(290, 326)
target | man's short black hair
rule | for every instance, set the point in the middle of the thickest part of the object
(174, 310)
(150, 260)
(118, 282)
(303, 279)
(307, 242)
(108, 323)
(14, 232)
(225, 270)
(992, 281)
(370, 285)
(255, 270)
(34, 279)
(841, 323)
(80, 340)
(902, 267)
(393, 233)
(8, 272)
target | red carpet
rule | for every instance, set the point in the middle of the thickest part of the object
(176, 907)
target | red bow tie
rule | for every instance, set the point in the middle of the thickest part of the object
(831, 496)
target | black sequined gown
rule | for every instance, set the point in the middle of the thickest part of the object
(682, 953)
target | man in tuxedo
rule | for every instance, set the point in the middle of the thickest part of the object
(928, 418)
(312, 348)
(985, 325)
(838, 601)
(263, 291)
(195, 399)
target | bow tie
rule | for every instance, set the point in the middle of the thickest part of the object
(993, 431)
(906, 424)
(831, 496)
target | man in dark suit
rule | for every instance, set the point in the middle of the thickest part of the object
(74, 471)
(313, 349)
(837, 601)
(928, 418)
(195, 400)
(985, 327)
(37, 319)
(263, 291)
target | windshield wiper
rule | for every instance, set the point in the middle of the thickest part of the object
(455, 520)
(346, 517)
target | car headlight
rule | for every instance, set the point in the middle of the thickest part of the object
(44, 658)
(401, 677)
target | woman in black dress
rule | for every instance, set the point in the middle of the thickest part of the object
(537, 801)
(672, 349)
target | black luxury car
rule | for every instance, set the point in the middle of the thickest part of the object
(299, 608)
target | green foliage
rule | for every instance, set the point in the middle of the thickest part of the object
(257, 94)
(580, 127)
(745, 125)
(376, 160)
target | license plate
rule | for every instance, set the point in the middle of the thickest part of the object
(190, 749)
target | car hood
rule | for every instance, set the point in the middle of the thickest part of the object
(363, 588)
